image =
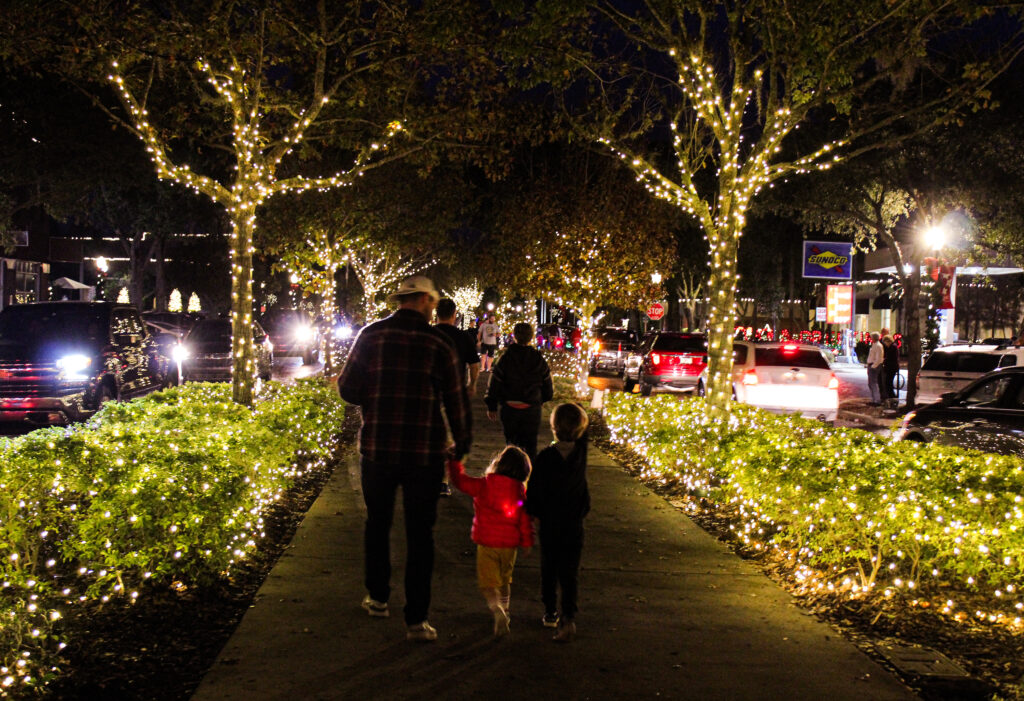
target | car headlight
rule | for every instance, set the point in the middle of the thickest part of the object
(73, 367)
(179, 353)
(304, 334)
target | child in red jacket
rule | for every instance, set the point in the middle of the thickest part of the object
(500, 525)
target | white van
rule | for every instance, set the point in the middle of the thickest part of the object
(951, 368)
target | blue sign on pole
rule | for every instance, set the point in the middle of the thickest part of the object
(832, 260)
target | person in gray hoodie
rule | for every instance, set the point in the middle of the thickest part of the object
(520, 384)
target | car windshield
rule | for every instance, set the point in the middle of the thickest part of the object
(795, 358)
(49, 324)
(616, 337)
(282, 317)
(681, 344)
(214, 331)
(952, 361)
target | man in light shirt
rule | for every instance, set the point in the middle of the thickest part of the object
(488, 334)
(874, 363)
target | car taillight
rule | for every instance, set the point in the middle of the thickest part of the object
(833, 382)
(790, 348)
(558, 343)
(597, 346)
(750, 377)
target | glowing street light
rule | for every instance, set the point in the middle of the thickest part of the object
(935, 237)
(102, 264)
(490, 306)
(656, 278)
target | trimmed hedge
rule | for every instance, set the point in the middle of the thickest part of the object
(167, 489)
(857, 513)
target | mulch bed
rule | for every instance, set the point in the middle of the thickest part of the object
(160, 647)
(993, 656)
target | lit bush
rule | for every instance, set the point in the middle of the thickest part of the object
(169, 488)
(856, 513)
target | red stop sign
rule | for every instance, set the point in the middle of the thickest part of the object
(655, 311)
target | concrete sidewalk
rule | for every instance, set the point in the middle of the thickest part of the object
(666, 611)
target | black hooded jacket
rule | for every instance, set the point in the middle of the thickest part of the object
(520, 375)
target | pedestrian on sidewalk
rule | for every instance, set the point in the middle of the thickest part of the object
(874, 363)
(488, 334)
(401, 371)
(890, 369)
(465, 349)
(500, 525)
(559, 499)
(519, 386)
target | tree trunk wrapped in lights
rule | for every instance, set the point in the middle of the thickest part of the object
(379, 268)
(467, 299)
(734, 83)
(239, 89)
(584, 270)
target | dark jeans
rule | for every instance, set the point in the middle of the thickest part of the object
(887, 381)
(560, 551)
(521, 427)
(420, 489)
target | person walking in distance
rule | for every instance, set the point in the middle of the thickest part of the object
(890, 369)
(488, 333)
(559, 499)
(401, 372)
(874, 363)
(465, 349)
(500, 525)
(519, 386)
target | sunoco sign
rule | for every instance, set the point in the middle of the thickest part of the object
(832, 260)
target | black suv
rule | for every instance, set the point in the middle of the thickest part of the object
(60, 361)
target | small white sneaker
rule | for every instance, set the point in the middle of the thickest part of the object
(375, 608)
(421, 631)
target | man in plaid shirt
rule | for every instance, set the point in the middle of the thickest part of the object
(401, 371)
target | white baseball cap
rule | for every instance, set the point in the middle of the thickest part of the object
(415, 285)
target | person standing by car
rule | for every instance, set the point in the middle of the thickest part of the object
(890, 369)
(465, 349)
(874, 362)
(519, 386)
(488, 334)
(401, 371)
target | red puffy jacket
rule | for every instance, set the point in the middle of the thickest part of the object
(499, 519)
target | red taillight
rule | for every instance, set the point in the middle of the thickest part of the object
(790, 348)
(558, 343)
(833, 382)
(656, 358)
(750, 377)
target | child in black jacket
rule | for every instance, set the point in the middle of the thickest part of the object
(519, 386)
(558, 497)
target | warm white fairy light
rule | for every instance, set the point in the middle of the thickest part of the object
(584, 270)
(467, 299)
(257, 157)
(379, 269)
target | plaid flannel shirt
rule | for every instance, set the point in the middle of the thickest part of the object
(401, 371)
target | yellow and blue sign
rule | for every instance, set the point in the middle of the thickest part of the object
(832, 260)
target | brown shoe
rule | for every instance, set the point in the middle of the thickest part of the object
(566, 632)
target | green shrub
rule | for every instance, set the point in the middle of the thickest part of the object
(856, 512)
(166, 489)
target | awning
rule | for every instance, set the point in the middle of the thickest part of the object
(69, 284)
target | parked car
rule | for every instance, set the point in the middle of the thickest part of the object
(986, 415)
(785, 378)
(666, 360)
(551, 336)
(609, 350)
(951, 368)
(61, 361)
(293, 332)
(208, 352)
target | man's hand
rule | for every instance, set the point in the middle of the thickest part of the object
(492, 415)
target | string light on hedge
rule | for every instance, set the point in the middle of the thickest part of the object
(905, 533)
